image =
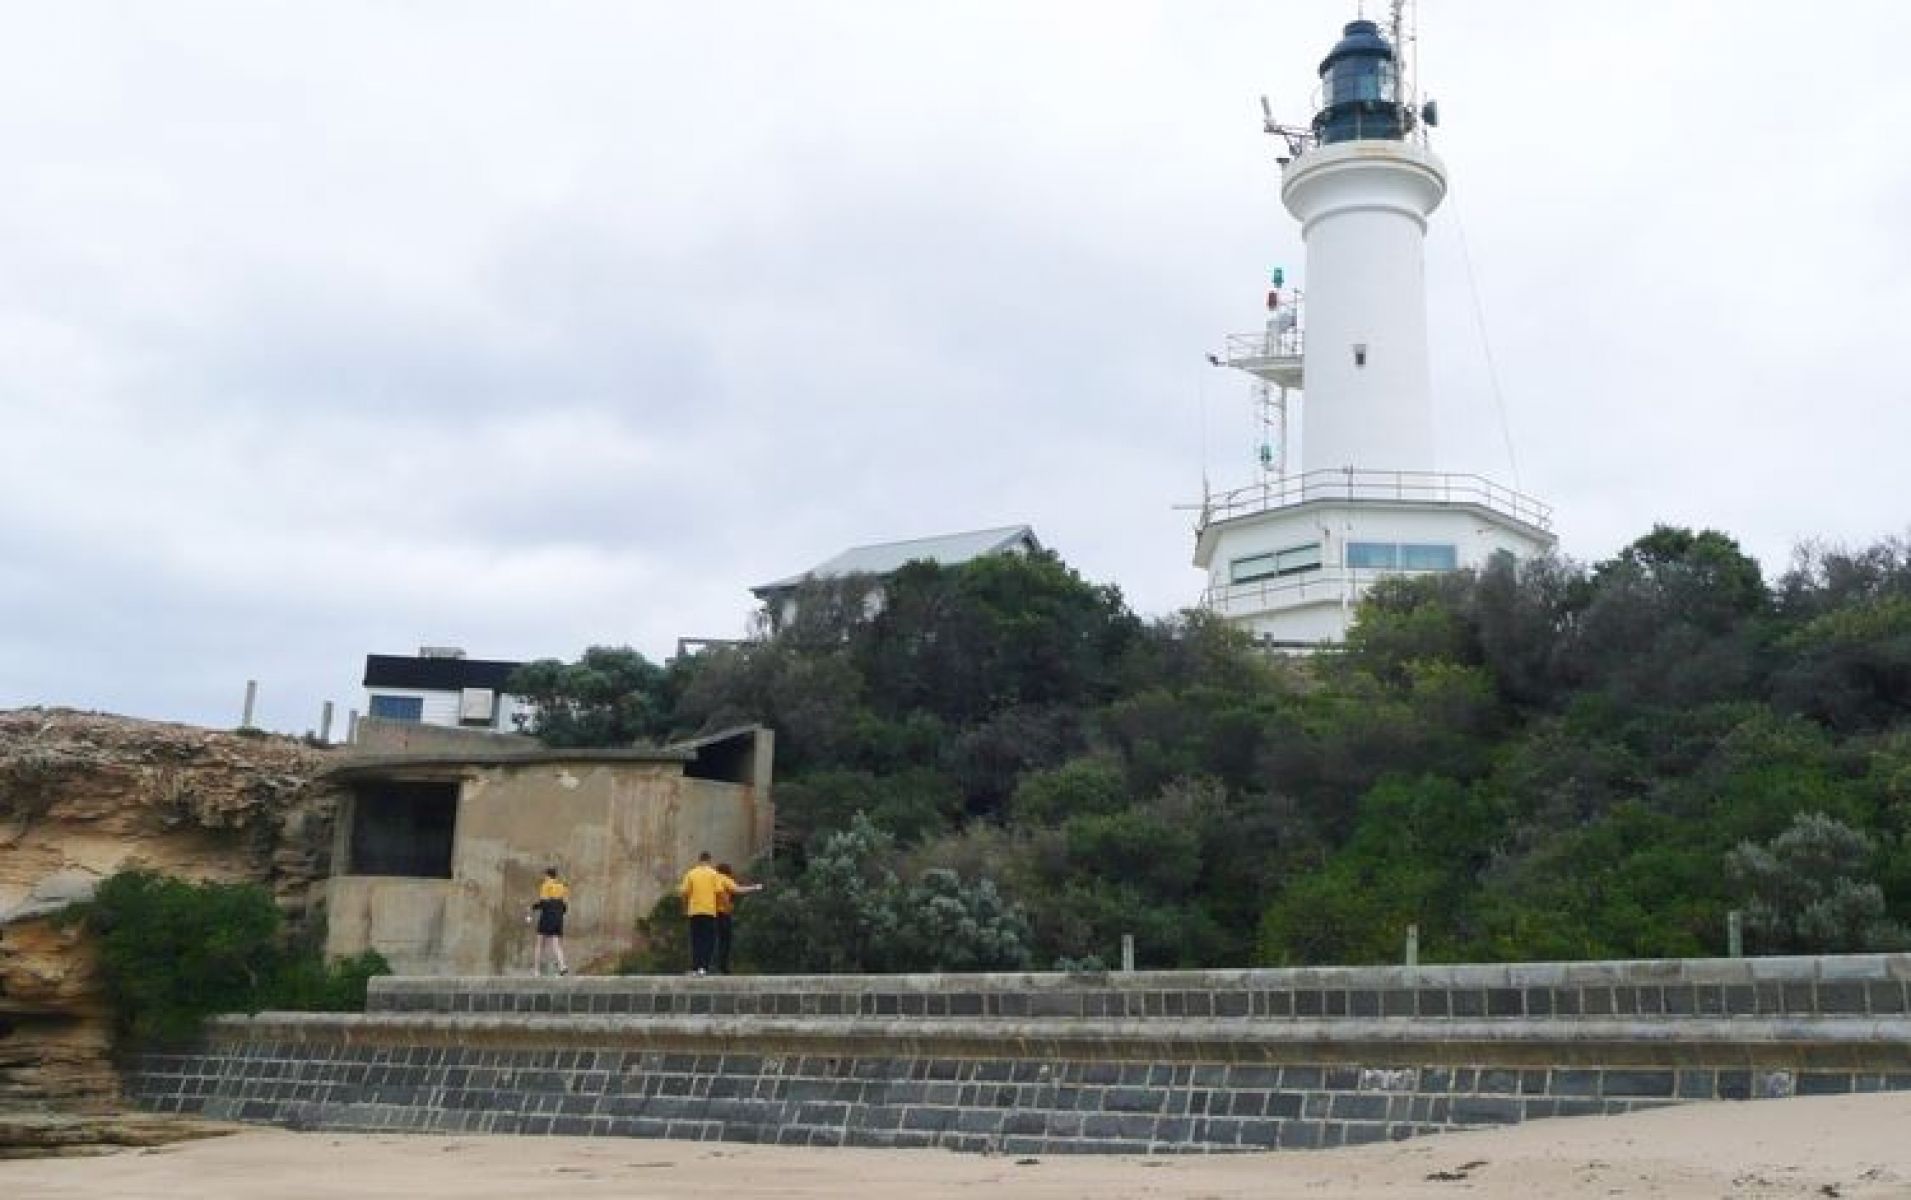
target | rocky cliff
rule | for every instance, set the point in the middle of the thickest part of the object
(83, 795)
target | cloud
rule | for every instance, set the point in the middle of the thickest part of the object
(344, 329)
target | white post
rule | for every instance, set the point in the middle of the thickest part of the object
(1128, 952)
(252, 697)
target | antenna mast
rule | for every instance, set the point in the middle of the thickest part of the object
(1404, 25)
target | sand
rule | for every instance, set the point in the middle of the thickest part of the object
(1828, 1146)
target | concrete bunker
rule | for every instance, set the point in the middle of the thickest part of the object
(438, 853)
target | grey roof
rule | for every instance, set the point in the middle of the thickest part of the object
(949, 550)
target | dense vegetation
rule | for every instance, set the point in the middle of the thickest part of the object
(1005, 767)
(173, 953)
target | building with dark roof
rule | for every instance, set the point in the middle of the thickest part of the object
(440, 686)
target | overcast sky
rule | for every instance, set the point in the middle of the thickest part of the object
(335, 328)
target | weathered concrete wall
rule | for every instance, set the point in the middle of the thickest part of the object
(403, 919)
(377, 735)
(1156, 1062)
(620, 832)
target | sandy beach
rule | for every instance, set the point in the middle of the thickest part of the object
(1832, 1146)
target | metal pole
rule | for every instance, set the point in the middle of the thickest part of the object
(325, 723)
(1128, 952)
(1413, 945)
(252, 698)
(1734, 934)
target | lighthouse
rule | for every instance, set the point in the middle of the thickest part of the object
(1348, 489)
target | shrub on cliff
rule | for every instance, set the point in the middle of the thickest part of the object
(849, 911)
(173, 953)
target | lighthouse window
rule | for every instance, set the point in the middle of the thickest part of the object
(1360, 79)
(1291, 561)
(1299, 558)
(1427, 558)
(1380, 556)
(1401, 556)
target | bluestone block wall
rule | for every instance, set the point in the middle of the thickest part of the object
(1145, 1062)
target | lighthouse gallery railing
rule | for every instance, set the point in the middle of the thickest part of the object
(1419, 487)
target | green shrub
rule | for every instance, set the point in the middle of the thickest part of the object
(173, 953)
(663, 941)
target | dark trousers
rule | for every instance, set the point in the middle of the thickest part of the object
(703, 942)
(726, 926)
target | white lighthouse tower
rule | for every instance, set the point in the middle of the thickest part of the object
(1290, 555)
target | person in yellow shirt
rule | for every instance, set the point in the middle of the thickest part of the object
(553, 898)
(726, 915)
(702, 890)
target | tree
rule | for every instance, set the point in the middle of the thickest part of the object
(849, 912)
(1807, 891)
(1850, 667)
(1704, 577)
(1408, 620)
(174, 952)
(1674, 619)
(1536, 759)
(612, 696)
(945, 924)
(1413, 858)
(1001, 631)
(909, 805)
(813, 699)
(1081, 786)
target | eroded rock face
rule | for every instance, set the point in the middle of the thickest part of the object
(83, 795)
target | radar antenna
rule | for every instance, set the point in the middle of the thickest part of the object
(1296, 137)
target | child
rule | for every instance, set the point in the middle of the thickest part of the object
(548, 913)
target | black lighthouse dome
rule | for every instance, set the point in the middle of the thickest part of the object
(1360, 89)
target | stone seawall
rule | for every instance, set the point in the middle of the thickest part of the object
(1145, 1062)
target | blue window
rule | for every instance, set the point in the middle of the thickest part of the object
(399, 708)
(1427, 558)
(1381, 556)
(1401, 556)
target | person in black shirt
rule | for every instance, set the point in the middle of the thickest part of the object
(548, 915)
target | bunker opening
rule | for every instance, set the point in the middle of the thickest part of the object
(403, 827)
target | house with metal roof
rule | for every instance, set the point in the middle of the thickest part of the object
(886, 558)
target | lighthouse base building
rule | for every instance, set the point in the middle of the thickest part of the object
(1289, 562)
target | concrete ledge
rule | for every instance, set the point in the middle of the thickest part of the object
(1856, 985)
(1829, 1043)
(1721, 971)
